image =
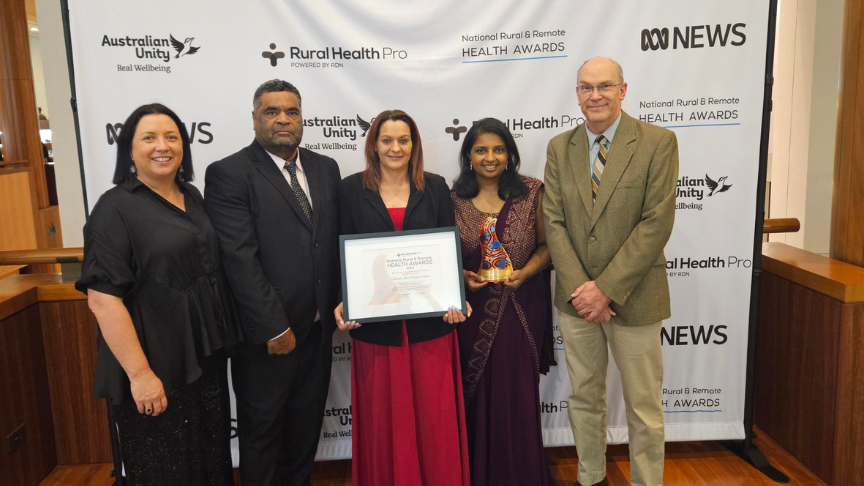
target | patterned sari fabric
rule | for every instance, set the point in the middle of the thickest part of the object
(505, 345)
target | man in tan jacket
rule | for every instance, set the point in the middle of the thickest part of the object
(609, 205)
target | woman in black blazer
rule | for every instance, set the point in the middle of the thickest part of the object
(406, 388)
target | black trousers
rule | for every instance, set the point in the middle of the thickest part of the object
(280, 409)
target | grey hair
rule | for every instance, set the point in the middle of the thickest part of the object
(617, 66)
(274, 86)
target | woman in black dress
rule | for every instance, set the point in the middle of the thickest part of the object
(154, 281)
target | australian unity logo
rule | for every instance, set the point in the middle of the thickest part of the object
(339, 132)
(340, 127)
(694, 36)
(690, 191)
(153, 47)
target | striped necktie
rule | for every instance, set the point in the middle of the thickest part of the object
(597, 168)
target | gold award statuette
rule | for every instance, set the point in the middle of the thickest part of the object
(495, 265)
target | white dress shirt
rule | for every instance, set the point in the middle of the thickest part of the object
(594, 147)
(301, 174)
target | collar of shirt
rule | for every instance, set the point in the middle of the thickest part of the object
(280, 162)
(301, 174)
(594, 147)
(131, 184)
(134, 183)
(609, 133)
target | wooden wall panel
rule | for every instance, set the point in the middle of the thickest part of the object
(18, 115)
(797, 361)
(58, 290)
(9, 270)
(49, 233)
(838, 280)
(16, 212)
(69, 331)
(15, 39)
(849, 442)
(19, 292)
(847, 218)
(24, 399)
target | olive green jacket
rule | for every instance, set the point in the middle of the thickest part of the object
(618, 241)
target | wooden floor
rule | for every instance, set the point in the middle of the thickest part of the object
(687, 463)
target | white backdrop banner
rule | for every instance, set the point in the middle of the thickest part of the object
(697, 68)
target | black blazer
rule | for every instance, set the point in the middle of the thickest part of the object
(280, 270)
(363, 211)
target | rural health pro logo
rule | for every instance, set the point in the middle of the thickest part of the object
(456, 130)
(273, 55)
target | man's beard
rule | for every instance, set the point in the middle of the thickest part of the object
(288, 144)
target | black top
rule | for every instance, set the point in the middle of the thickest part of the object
(164, 264)
(363, 211)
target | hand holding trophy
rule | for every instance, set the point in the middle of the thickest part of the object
(496, 265)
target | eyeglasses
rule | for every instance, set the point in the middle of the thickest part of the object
(603, 88)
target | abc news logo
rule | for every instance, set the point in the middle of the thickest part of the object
(198, 129)
(694, 37)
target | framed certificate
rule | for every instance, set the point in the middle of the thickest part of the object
(401, 274)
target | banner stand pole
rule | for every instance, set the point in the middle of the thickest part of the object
(746, 449)
(117, 472)
(67, 34)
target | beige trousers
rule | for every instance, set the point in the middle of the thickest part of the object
(639, 356)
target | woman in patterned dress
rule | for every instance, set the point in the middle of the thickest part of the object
(507, 342)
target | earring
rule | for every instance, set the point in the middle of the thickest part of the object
(181, 169)
(132, 169)
(471, 167)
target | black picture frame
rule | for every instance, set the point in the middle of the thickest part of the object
(457, 270)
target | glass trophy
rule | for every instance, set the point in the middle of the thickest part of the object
(495, 265)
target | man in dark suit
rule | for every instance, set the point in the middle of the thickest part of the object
(275, 208)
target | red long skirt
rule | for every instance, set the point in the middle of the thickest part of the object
(408, 414)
